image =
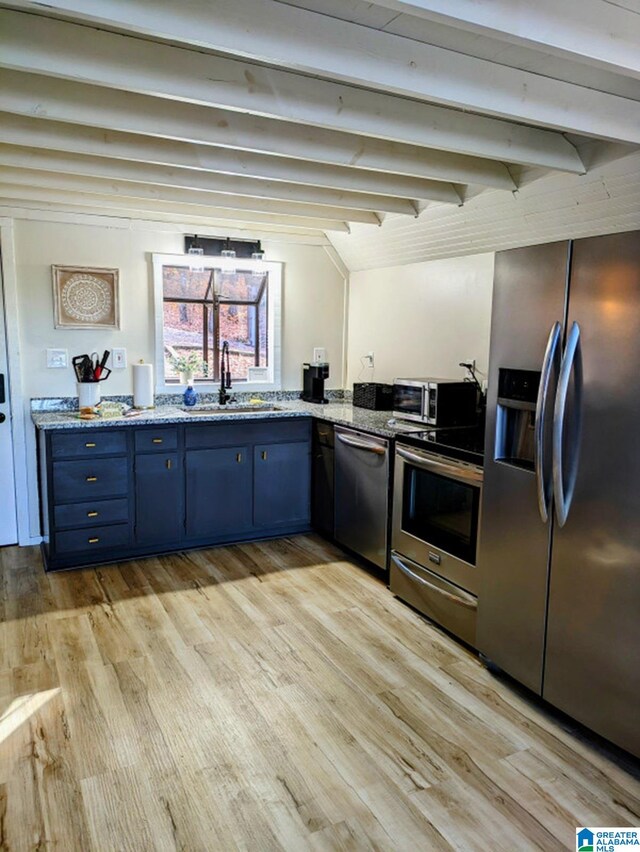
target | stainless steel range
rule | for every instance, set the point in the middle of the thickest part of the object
(436, 517)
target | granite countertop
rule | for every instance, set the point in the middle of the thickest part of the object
(338, 412)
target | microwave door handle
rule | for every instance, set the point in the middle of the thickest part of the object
(362, 445)
(462, 599)
(434, 466)
(550, 358)
(571, 363)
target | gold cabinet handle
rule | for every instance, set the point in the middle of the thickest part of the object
(264, 455)
(156, 441)
(238, 457)
(90, 444)
(92, 514)
(92, 479)
(168, 464)
(94, 540)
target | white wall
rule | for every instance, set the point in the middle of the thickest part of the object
(312, 307)
(421, 319)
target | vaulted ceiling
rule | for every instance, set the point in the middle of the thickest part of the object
(388, 128)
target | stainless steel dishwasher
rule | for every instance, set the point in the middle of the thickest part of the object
(362, 494)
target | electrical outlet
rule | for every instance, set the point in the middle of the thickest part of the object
(368, 359)
(57, 359)
(319, 355)
(118, 359)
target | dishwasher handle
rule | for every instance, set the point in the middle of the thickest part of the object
(361, 445)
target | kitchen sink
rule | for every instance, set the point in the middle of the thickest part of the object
(215, 408)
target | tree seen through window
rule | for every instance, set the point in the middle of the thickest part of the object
(204, 307)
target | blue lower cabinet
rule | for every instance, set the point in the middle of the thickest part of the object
(219, 492)
(115, 494)
(282, 484)
(159, 490)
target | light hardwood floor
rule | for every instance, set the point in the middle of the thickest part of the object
(271, 696)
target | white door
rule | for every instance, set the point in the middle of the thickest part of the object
(8, 521)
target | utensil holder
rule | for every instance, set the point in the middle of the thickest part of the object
(88, 394)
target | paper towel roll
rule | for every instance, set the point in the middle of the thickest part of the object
(143, 386)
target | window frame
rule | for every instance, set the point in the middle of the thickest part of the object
(274, 319)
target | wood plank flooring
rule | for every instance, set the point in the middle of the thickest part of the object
(271, 696)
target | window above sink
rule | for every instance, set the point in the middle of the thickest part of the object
(203, 300)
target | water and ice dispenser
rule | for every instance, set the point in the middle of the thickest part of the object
(516, 414)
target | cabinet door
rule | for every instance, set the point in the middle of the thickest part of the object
(322, 490)
(282, 484)
(218, 492)
(159, 498)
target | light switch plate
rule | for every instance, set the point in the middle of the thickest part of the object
(57, 359)
(118, 359)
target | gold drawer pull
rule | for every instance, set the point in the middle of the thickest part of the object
(264, 455)
(92, 514)
(238, 457)
(94, 540)
(92, 479)
(168, 464)
(156, 441)
(90, 444)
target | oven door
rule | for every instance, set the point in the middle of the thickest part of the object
(408, 401)
(436, 514)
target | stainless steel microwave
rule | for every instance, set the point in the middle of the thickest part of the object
(435, 402)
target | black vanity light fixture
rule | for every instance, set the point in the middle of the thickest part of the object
(244, 249)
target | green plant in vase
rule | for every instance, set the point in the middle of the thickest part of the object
(187, 366)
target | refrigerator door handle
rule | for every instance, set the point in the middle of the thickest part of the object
(571, 363)
(551, 356)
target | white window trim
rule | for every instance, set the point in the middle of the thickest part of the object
(274, 320)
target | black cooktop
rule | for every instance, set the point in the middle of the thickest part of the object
(462, 442)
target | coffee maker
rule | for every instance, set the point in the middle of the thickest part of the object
(313, 377)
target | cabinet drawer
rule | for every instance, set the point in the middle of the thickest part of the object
(91, 513)
(92, 538)
(155, 440)
(80, 481)
(88, 443)
(244, 432)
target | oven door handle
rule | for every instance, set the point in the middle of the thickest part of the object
(362, 445)
(462, 474)
(463, 599)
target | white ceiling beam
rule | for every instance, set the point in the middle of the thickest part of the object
(230, 185)
(79, 103)
(50, 212)
(57, 136)
(208, 200)
(357, 55)
(595, 32)
(165, 212)
(38, 44)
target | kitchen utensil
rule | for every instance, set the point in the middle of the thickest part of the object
(99, 370)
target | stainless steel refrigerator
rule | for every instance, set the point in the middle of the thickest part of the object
(559, 552)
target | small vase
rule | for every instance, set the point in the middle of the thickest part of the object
(190, 397)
